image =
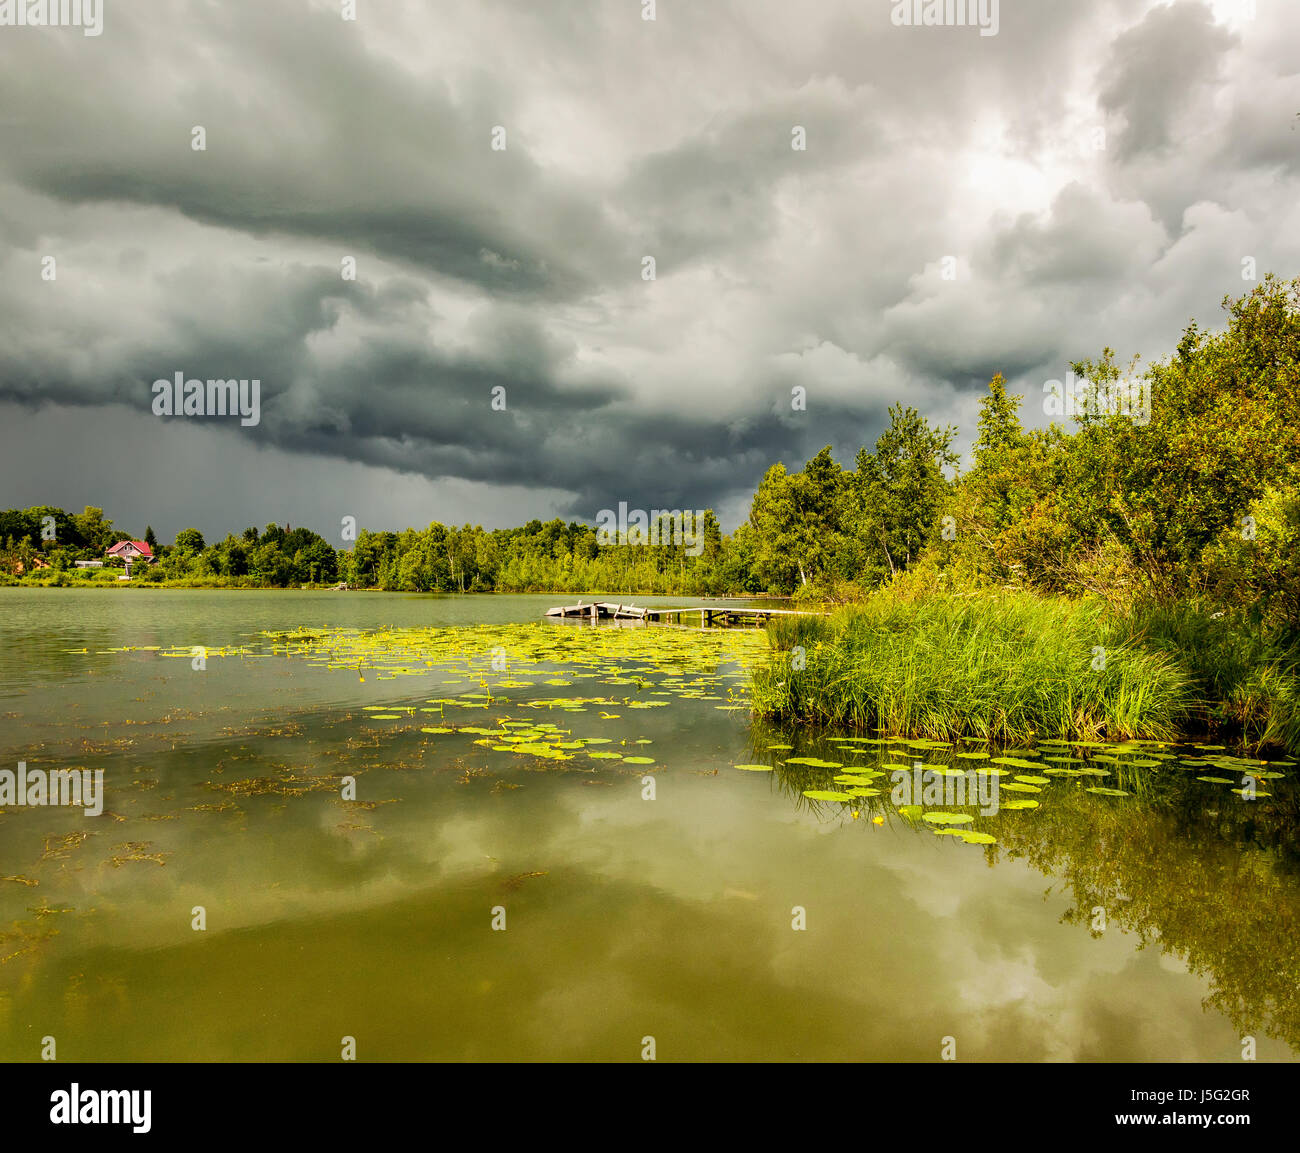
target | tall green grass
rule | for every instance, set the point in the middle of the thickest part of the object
(1004, 666)
(1245, 675)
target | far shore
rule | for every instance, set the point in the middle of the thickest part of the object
(185, 587)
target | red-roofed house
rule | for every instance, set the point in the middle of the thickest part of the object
(129, 550)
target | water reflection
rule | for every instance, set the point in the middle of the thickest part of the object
(625, 916)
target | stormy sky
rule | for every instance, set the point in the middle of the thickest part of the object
(1094, 174)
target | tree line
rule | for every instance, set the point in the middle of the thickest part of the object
(1200, 499)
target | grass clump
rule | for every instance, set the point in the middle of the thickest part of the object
(1245, 674)
(1003, 666)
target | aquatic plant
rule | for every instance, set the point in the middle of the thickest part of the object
(1005, 667)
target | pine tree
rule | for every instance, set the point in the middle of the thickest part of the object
(999, 425)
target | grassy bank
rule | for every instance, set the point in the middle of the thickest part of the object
(1013, 666)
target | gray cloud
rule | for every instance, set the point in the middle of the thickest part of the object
(522, 269)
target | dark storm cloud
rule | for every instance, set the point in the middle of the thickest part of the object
(1158, 72)
(521, 270)
(308, 134)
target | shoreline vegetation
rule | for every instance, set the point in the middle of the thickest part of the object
(1014, 668)
(1129, 578)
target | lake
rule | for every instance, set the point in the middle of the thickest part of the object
(450, 830)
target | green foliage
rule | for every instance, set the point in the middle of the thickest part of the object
(796, 523)
(815, 529)
(1007, 667)
(1245, 672)
(898, 492)
(1132, 509)
(190, 540)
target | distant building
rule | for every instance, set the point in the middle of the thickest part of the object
(129, 550)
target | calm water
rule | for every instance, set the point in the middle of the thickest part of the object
(625, 917)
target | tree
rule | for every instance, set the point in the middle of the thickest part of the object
(190, 540)
(150, 539)
(1000, 432)
(94, 529)
(900, 489)
(779, 534)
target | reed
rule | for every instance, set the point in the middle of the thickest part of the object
(1245, 675)
(1003, 667)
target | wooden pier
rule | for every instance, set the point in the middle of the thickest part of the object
(709, 614)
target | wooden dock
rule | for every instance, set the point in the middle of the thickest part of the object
(709, 614)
